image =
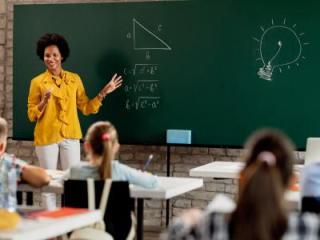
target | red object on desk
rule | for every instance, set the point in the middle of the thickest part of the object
(294, 184)
(58, 213)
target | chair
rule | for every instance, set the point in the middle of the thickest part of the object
(310, 204)
(119, 208)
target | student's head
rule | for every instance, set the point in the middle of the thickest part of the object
(260, 212)
(278, 144)
(3, 135)
(101, 143)
(55, 39)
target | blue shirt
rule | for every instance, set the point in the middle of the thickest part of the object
(7, 161)
(120, 172)
(310, 180)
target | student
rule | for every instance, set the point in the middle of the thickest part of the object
(101, 145)
(260, 213)
(310, 187)
(35, 176)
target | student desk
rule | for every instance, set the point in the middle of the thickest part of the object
(221, 169)
(169, 187)
(44, 228)
(230, 170)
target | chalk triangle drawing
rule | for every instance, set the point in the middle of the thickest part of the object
(144, 39)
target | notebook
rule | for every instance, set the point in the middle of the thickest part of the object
(312, 153)
(58, 213)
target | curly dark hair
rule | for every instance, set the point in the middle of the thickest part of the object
(53, 39)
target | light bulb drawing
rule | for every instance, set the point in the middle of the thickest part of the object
(279, 47)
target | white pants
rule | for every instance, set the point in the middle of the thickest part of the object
(68, 152)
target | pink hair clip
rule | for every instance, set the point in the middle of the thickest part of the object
(267, 157)
(105, 137)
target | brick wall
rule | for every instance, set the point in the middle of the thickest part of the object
(182, 158)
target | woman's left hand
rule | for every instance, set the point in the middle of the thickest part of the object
(115, 82)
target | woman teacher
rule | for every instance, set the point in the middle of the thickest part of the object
(54, 97)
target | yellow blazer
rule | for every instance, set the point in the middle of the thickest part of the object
(59, 119)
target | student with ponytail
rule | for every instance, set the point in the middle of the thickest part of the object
(260, 212)
(101, 145)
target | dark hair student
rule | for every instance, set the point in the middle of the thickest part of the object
(261, 212)
(265, 177)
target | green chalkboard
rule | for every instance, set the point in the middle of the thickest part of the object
(219, 68)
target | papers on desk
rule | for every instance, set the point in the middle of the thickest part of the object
(56, 174)
(58, 213)
(44, 227)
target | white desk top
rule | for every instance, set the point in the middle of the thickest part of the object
(169, 187)
(55, 186)
(221, 169)
(44, 228)
(231, 170)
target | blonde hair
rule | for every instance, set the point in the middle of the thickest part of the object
(102, 136)
(3, 129)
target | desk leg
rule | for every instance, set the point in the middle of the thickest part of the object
(30, 198)
(168, 160)
(140, 219)
(19, 198)
(167, 212)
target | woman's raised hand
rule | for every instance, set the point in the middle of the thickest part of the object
(115, 82)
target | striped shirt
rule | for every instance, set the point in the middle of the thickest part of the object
(214, 226)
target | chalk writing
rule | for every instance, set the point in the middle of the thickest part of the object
(288, 43)
(155, 42)
(142, 69)
(142, 86)
(143, 102)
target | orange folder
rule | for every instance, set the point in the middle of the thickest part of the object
(60, 212)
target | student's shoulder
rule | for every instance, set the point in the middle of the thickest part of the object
(118, 163)
(82, 164)
(83, 170)
(10, 160)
